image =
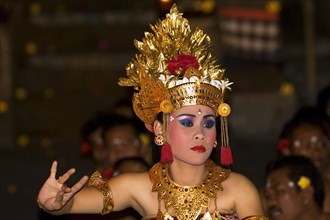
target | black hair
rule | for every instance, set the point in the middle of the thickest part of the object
(306, 115)
(323, 98)
(99, 119)
(299, 166)
(115, 120)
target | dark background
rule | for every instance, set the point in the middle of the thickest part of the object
(60, 62)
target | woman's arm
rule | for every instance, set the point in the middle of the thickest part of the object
(247, 200)
(56, 198)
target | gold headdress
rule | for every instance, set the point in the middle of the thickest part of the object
(175, 68)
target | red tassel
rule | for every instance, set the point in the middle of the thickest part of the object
(226, 156)
(166, 154)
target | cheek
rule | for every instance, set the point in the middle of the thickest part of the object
(213, 134)
(176, 131)
(299, 152)
(286, 200)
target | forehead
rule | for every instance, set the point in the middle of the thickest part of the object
(307, 130)
(278, 176)
(125, 129)
(194, 109)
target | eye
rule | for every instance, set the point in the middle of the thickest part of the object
(186, 122)
(209, 123)
(280, 190)
(268, 194)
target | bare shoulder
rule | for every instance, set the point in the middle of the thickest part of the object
(240, 182)
(238, 178)
(243, 194)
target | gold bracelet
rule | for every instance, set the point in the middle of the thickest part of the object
(97, 181)
(255, 217)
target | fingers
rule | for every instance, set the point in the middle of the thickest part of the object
(65, 189)
(76, 187)
(59, 196)
(62, 179)
(53, 169)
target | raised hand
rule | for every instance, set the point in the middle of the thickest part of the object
(54, 194)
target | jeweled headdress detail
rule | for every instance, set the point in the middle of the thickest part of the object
(175, 68)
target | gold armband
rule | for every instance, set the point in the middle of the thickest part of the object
(97, 181)
(255, 217)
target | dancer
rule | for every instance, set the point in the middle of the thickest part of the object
(179, 94)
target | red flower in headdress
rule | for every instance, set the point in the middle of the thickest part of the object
(181, 64)
(283, 144)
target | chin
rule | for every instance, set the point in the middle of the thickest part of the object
(198, 162)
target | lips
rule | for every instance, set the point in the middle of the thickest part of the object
(274, 212)
(199, 149)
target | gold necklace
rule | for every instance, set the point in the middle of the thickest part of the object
(187, 202)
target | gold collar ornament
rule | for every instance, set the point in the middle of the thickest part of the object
(175, 68)
(187, 202)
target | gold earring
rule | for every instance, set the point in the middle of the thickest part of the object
(159, 140)
(215, 144)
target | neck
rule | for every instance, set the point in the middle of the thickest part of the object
(186, 174)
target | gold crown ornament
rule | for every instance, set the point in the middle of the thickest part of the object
(175, 68)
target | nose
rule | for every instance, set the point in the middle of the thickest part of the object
(270, 199)
(199, 134)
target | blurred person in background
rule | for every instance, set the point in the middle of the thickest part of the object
(294, 190)
(122, 139)
(130, 164)
(92, 143)
(306, 135)
(123, 107)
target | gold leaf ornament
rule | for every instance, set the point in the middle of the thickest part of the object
(224, 110)
(166, 106)
(194, 80)
(146, 102)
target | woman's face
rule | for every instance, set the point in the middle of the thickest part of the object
(192, 133)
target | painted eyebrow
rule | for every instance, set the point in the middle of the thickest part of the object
(194, 116)
(206, 116)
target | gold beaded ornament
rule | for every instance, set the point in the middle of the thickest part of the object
(175, 68)
(102, 186)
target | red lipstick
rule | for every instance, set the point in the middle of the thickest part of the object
(199, 149)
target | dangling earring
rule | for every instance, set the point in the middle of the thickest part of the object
(215, 144)
(159, 140)
(166, 152)
(225, 151)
